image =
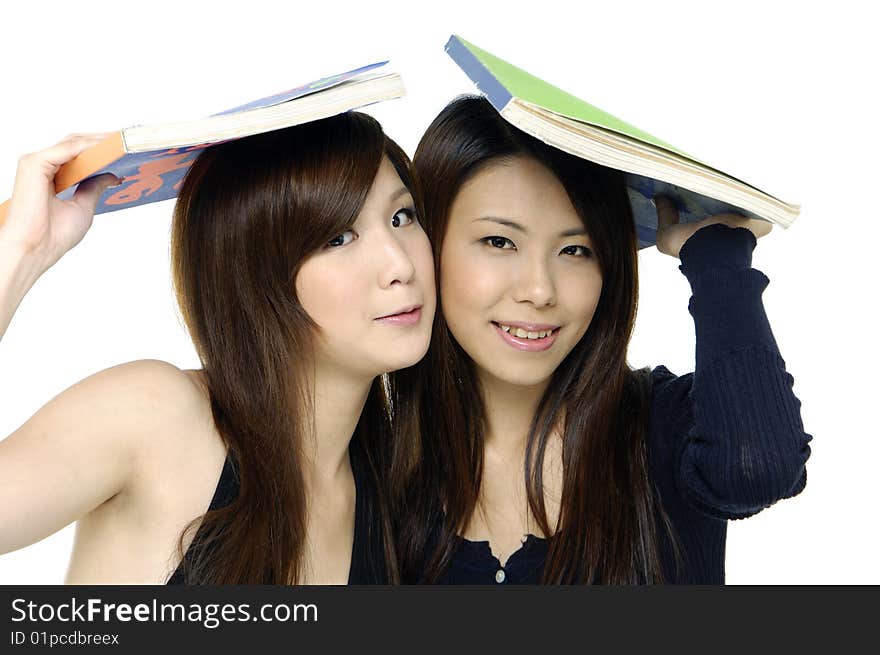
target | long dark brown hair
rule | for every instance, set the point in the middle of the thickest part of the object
(248, 214)
(606, 530)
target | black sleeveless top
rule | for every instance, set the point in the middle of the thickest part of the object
(367, 553)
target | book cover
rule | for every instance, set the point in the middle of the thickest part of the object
(509, 88)
(156, 174)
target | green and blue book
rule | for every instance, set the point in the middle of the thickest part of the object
(652, 166)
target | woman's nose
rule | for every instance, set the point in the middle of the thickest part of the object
(396, 264)
(535, 284)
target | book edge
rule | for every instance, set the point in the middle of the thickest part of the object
(478, 72)
(785, 215)
(310, 88)
(142, 139)
(674, 158)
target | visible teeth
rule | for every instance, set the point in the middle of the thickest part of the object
(524, 334)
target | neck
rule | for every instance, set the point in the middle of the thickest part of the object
(339, 398)
(510, 409)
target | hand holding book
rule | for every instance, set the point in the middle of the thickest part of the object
(40, 227)
(671, 234)
(40, 224)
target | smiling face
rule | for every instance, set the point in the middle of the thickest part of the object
(371, 289)
(519, 282)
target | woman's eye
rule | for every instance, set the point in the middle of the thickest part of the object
(499, 242)
(341, 240)
(577, 251)
(403, 216)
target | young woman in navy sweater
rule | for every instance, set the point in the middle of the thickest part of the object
(544, 457)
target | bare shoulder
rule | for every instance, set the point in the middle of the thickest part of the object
(171, 406)
(163, 411)
(149, 385)
(177, 458)
(178, 453)
(105, 438)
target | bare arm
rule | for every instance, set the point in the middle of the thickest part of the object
(88, 444)
(85, 445)
(39, 228)
(15, 281)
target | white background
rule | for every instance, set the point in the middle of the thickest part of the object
(780, 94)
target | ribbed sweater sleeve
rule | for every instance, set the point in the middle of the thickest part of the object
(743, 445)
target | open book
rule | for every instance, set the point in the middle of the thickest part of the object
(152, 160)
(652, 166)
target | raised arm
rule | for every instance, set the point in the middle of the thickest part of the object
(39, 228)
(745, 447)
(86, 444)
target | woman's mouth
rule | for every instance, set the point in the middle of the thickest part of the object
(527, 340)
(410, 317)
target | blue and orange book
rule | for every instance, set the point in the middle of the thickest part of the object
(151, 161)
(652, 166)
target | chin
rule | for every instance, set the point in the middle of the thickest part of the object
(404, 360)
(520, 378)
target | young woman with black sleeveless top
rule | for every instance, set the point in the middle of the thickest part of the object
(303, 276)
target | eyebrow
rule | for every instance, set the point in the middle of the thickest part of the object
(575, 232)
(402, 191)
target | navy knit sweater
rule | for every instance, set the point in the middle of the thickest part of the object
(724, 442)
